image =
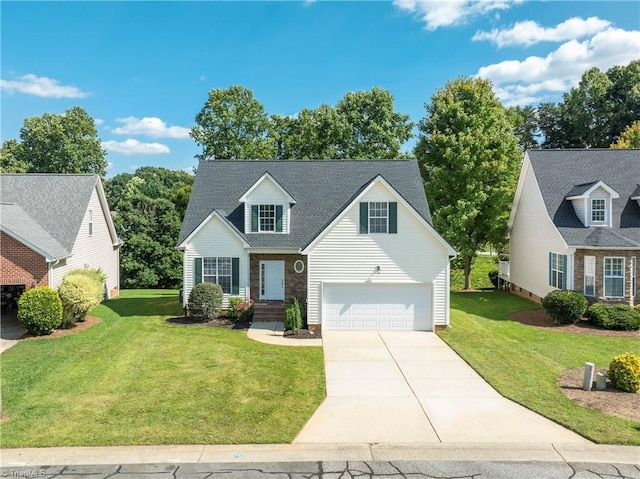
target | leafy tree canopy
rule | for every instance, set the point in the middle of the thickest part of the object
(630, 137)
(469, 158)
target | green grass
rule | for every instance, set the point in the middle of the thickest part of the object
(482, 264)
(523, 362)
(134, 379)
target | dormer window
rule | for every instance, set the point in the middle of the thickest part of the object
(598, 210)
(266, 218)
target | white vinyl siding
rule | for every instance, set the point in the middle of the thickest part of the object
(532, 236)
(614, 277)
(267, 193)
(215, 240)
(414, 255)
(589, 275)
(95, 250)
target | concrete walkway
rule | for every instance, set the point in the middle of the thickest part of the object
(273, 333)
(410, 387)
(10, 330)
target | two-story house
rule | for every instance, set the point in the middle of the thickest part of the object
(352, 240)
(575, 224)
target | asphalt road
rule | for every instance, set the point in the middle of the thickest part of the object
(337, 470)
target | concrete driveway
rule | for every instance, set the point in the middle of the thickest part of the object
(410, 387)
(10, 330)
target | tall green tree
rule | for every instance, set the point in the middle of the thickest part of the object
(9, 162)
(469, 159)
(525, 120)
(66, 143)
(630, 137)
(150, 206)
(233, 125)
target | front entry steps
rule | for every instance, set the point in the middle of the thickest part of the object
(268, 311)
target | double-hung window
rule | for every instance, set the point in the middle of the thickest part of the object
(557, 267)
(378, 217)
(614, 277)
(598, 210)
(589, 275)
(222, 270)
(266, 218)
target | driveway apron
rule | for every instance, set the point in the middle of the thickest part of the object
(410, 387)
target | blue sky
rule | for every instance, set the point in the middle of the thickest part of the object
(143, 69)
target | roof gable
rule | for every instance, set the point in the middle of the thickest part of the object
(256, 185)
(563, 175)
(321, 189)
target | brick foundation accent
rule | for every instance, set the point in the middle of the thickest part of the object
(21, 265)
(315, 327)
(523, 293)
(295, 284)
(599, 291)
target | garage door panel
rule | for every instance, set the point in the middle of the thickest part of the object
(377, 306)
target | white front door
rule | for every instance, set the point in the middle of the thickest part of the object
(272, 280)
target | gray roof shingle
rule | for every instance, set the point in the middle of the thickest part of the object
(321, 188)
(46, 209)
(562, 173)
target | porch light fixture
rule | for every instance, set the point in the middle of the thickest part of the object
(377, 270)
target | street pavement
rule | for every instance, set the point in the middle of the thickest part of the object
(338, 470)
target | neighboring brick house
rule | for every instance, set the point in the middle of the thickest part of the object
(351, 240)
(575, 224)
(51, 224)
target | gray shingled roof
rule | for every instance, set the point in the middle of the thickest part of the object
(321, 188)
(54, 207)
(562, 173)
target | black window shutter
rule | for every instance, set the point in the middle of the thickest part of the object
(364, 218)
(197, 271)
(254, 218)
(235, 275)
(278, 218)
(393, 217)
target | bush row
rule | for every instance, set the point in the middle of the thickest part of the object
(614, 316)
(41, 310)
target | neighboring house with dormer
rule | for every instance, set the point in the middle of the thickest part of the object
(575, 224)
(352, 240)
(51, 224)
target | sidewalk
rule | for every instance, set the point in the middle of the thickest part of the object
(267, 453)
(273, 333)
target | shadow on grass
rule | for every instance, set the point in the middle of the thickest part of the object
(490, 303)
(146, 303)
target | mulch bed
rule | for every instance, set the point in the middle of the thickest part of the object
(303, 334)
(79, 326)
(220, 322)
(539, 318)
(609, 401)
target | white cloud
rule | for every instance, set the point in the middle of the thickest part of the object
(439, 13)
(134, 147)
(529, 32)
(98, 121)
(41, 86)
(536, 78)
(150, 126)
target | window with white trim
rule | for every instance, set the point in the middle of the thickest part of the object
(217, 270)
(634, 272)
(598, 210)
(90, 222)
(589, 275)
(557, 270)
(614, 277)
(378, 217)
(267, 218)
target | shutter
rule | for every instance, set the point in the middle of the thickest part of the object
(197, 271)
(254, 218)
(550, 269)
(564, 271)
(235, 275)
(278, 218)
(364, 218)
(393, 217)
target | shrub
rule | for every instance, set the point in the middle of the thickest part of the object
(493, 277)
(205, 301)
(293, 317)
(564, 306)
(624, 372)
(232, 310)
(79, 293)
(40, 310)
(616, 316)
(95, 274)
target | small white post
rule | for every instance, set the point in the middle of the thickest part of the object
(588, 376)
(601, 381)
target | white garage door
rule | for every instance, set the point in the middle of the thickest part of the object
(377, 306)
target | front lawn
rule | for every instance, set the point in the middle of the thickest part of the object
(523, 362)
(134, 379)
